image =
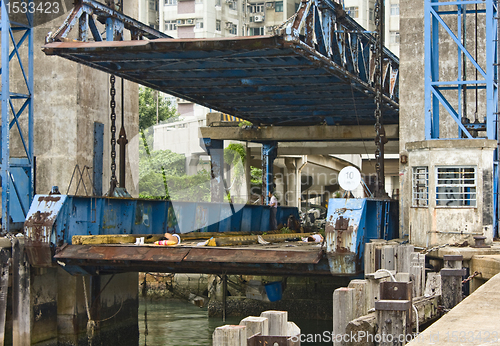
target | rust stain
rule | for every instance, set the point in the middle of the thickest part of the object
(49, 198)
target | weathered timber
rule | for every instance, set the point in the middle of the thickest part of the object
(256, 325)
(230, 335)
(278, 322)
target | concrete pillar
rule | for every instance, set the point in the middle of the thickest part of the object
(360, 297)
(255, 325)
(230, 336)
(278, 322)
(269, 153)
(343, 310)
(215, 148)
(392, 316)
(291, 182)
(451, 281)
(21, 316)
(4, 288)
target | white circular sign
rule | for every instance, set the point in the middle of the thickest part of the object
(349, 178)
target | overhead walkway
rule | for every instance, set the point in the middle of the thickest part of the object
(317, 68)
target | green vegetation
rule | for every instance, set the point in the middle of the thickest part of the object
(147, 108)
(162, 173)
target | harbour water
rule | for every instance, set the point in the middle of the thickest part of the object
(179, 323)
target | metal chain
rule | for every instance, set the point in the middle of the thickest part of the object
(426, 251)
(476, 273)
(377, 52)
(112, 104)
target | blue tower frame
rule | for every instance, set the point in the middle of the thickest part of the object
(16, 173)
(487, 75)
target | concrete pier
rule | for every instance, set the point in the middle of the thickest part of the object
(472, 322)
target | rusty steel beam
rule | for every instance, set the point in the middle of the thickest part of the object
(113, 259)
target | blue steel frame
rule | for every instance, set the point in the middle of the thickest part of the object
(16, 174)
(434, 98)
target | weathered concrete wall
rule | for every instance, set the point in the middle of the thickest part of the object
(435, 225)
(68, 99)
(116, 316)
(412, 92)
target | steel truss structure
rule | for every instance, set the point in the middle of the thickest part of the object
(17, 119)
(456, 22)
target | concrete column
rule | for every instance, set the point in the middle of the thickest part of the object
(4, 287)
(278, 322)
(291, 182)
(215, 148)
(343, 310)
(21, 317)
(451, 281)
(269, 153)
(256, 325)
(230, 336)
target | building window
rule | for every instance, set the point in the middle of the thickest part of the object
(171, 25)
(278, 6)
(256, 31)
(257, 8)
(233, 5)
(233, 29)
(456, 186)
(199, 24)
(153, 5)
(371, 15)
(394, 9)
(394, 37)
(217, 25)
(420, 187)
(217, 3)
(352, 11)
(170, 2)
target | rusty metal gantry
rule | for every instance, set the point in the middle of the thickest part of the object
(319, 67)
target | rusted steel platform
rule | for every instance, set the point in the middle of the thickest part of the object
(263, 79)
(293, 258)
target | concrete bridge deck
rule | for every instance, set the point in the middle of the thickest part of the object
(472, 322)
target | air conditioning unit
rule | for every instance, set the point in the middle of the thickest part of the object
(269, 4)
(258, 19)
(189, 21)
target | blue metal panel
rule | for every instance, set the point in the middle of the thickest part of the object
(353, 222)
(57, 218)
(98, 157)
(16, 174)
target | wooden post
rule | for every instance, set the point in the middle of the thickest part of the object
(451, 281)
(224, 297)
(343, 310)
(4, 287)
(229, 335)
(21, 305)
(433, 285)
(277, 322)
(255, 325)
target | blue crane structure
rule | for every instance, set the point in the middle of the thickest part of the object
(448, 21)
(16, 169)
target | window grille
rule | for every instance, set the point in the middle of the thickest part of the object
(420, 187)
(456, 186)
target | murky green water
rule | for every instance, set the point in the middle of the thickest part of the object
(178, 323)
